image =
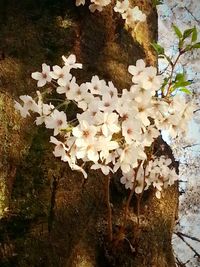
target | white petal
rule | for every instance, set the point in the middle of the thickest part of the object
(41, 82)
(36, 75)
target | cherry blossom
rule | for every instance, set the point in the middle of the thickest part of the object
(80, 2)
(28, 104)
(42, 77)
(112, 130)
(62, 75)
(57, 120)
(71, 62)
(121, 7)
(60, 149)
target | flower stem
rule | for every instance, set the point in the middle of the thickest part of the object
(110, 231)
(130, 196)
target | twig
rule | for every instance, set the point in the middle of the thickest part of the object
(110, 232)
(198, 21)
(179, 263)
(188, 146)
(188, 236)
(130, 197)
(196, 110)
(181, 237)
(52, 204)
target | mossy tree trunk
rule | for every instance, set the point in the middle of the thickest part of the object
(54, 218)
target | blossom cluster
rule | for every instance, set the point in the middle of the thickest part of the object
(95, 4)
(112, 131)
(157, 173)
(131, 15)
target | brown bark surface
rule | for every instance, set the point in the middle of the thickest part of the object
(55, 218)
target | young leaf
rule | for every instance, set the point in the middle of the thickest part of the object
(158, 48)
(177, 31)
(181, 84)
(157, 2)
(185, 90)
(194, 35)
(180, 77)
(197, 45)
(187, 33)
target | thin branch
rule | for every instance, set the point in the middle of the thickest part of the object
(110, 232)
(179, 263)
(196, 110)
(188, 236)
(198, 21)
(188, 146)
(181, 237)
(130, 197)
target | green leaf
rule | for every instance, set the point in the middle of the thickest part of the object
(180, 45)
(177, 31)
(158, 48)
(185, 90)
(180, 81)
(194, 35)
(181, 84)
(197, 45)
(187, 48)
(157, 2)
(180, 77)
(164, 83)
(187, 33)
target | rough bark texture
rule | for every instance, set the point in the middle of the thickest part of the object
(54, 218)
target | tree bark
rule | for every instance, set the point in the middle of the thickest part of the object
(55, 218)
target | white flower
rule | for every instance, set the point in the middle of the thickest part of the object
(98, 5)
(104, 168)
(105, 145)
(71, 60)
(150, 79)
(150, 134)
(140, 180)
(89, 150)
(129, 157)
(23, 110)
(144, 109)
(60, 149)
(42, 77)
(80, 2)
(158, 184)
(71, 89)
(107, 104)
(133, 15)
(140, 93)
(109, 122)
(131, 130)
(172, 177)
(137, 70)
(121, 7)
(94, 7)
(75, 167)
(84, 133)
(128, 179)
(126, 111)
(158, 194)
(138, 15)
(62, 75)
(57, 121)
(80, 92)
(112, 90)
(29, 104)
(44, 111)
(96, 86)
